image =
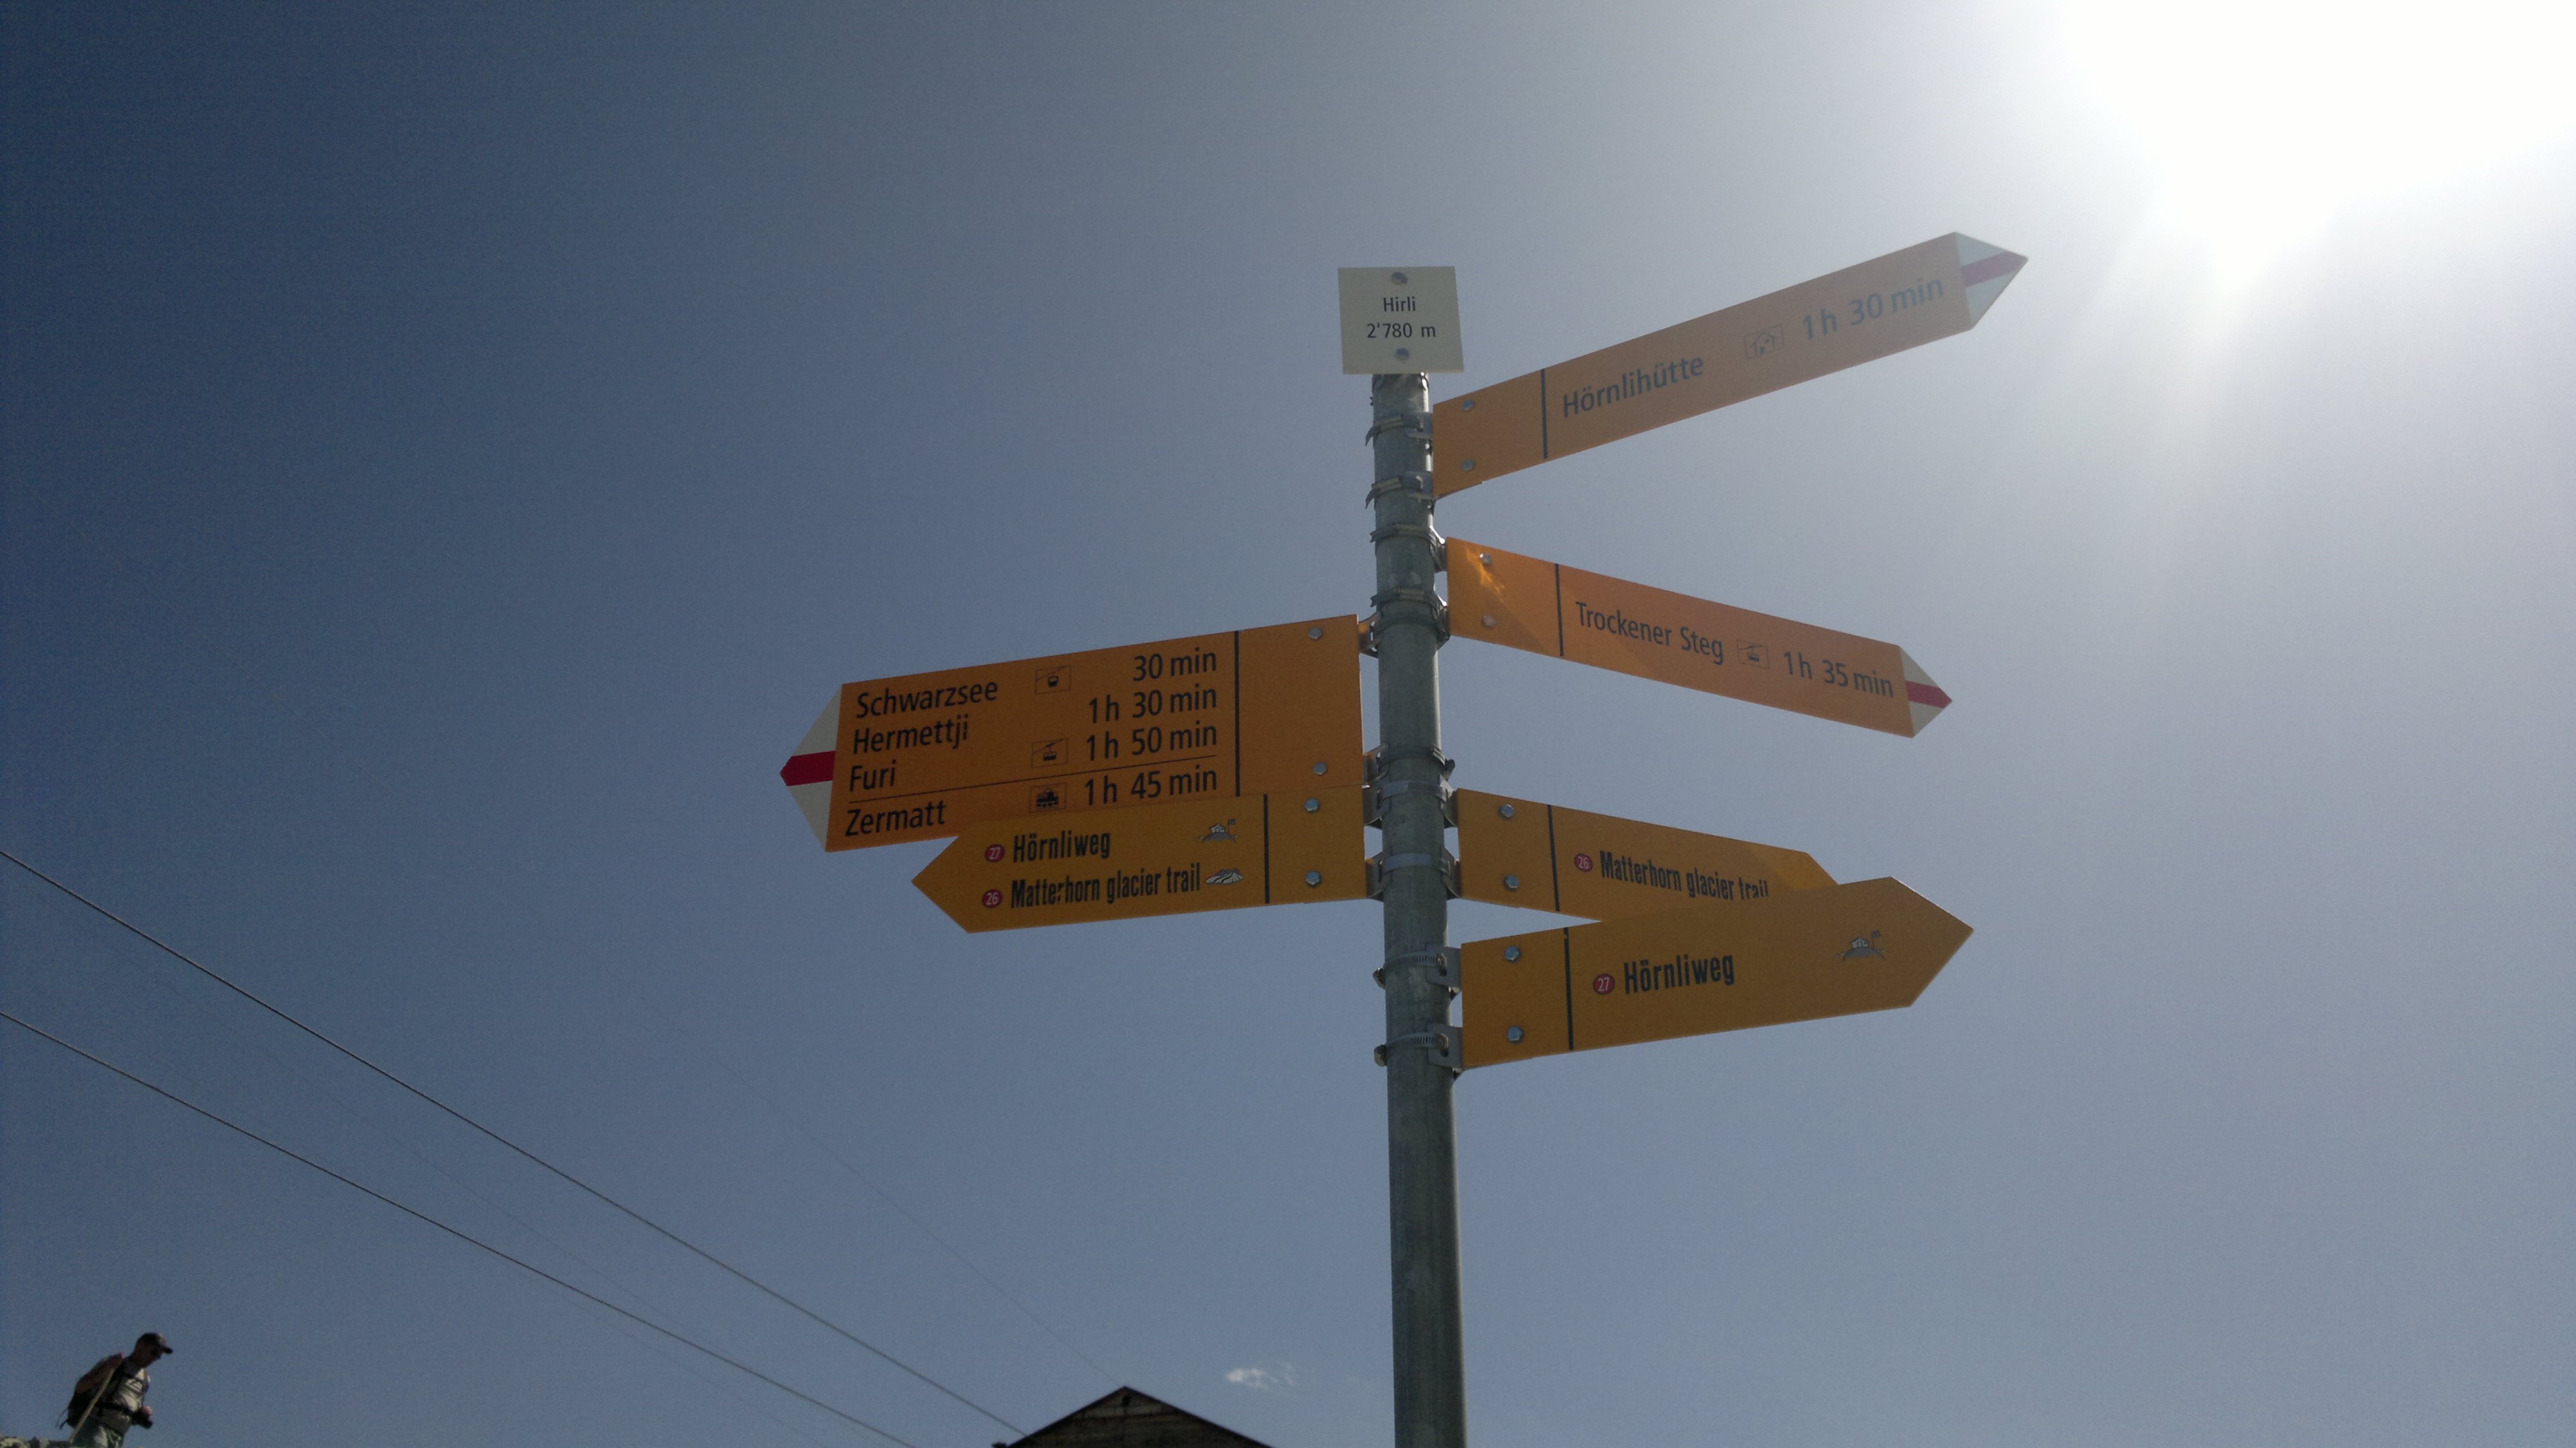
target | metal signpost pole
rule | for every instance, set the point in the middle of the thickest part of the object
(1421, 1053)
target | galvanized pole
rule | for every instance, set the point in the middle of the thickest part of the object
(1421, 1050)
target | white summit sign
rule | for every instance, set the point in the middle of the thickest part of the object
(1400, 319)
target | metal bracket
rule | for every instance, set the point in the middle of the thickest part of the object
(1441, 1041)
(1373, 764)
(1423, 596)
(1417, 426)
(1443, 963)
(1375, 794)
(1382, 865)
(1424, 531)
(1411, 480)
(1370, 625)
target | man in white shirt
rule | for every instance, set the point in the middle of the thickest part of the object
(109, 1399)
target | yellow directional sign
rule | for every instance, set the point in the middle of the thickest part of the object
(1903, 299)
(1799, 956)
(1601, 867)
(1165, 859)
(1222, 716)
(1610, 623)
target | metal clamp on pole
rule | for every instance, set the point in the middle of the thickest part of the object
(1375, 794)
(1443, 964)
(1370, 626)
(1412, 481)
(1440, 1041)
(1416, 425)
(1426, 531)
(1422, 598)
(1381, 866)
(1374, 763)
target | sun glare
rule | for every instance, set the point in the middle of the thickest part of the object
(2267, 117)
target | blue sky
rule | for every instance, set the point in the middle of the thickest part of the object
(451, 452)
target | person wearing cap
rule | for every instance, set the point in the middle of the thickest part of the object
(108, 1402)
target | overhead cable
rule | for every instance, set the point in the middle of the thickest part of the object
(636, 1317)
(316, 1089)
(700, 1252)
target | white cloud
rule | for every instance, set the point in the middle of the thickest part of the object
(1267, 1378)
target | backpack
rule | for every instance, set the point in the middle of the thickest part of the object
(92, 1386)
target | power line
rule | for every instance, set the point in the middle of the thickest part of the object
(191, 622)
(688, 1365)
(420, 1216)
(702, 1253)
(699, 1371)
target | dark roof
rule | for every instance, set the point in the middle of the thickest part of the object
(1130, 1419)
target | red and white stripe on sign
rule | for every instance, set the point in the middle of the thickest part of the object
(1986, 269)
(1923, 698)
(808, 772)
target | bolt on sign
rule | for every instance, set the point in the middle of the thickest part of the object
(1222, 716)
(1798, 956)
(1602, 867)
(1164, 859)
(1400, 319)
(1859, 314)
(1610, 623)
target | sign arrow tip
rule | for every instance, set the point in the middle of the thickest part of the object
(1987, 270)
(1925, 698)
(808, 772)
